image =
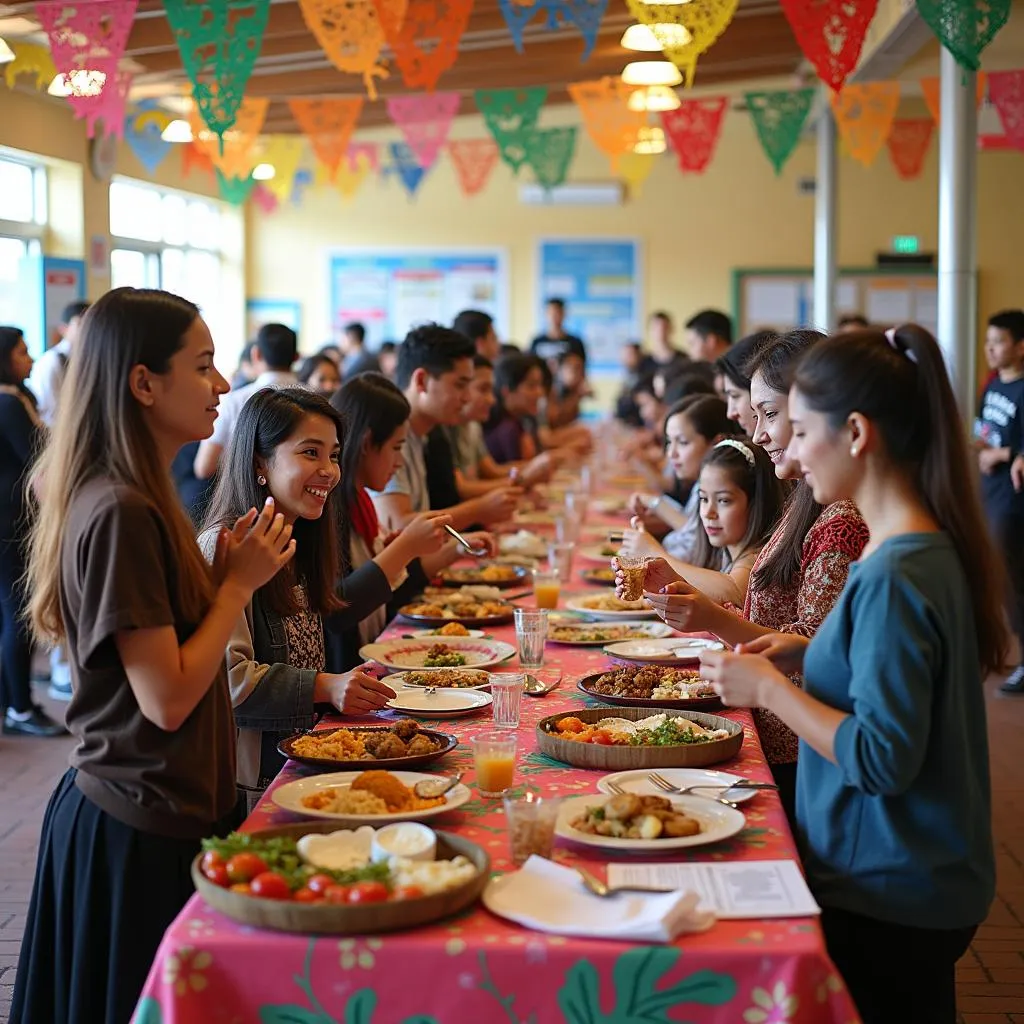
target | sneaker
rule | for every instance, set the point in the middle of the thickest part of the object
(1014, 682)
(59, 691)
(39, 724)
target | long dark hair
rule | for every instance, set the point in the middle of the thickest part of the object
(764, 496)
(735, 363)
(9, 339)
(776, 361)
(266, 421)
(509, 372)
(706, 414)
(903, 388)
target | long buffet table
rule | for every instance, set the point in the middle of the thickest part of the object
(478, 968)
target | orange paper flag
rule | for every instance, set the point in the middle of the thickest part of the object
(328, 124)
(930, 88)
(237, 158)
(613, 127)
(426, 41)
(474, 159)
(908, 144)
(864, 113)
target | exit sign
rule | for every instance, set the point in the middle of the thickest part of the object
(906, 245)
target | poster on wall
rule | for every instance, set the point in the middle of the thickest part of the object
(391, 290)
(600, 282)
(274, 311)
(47, 284)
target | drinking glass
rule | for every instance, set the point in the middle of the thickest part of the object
(567, 529)
(507, 698)
(634, 573)
(546, 588)
(576, 505)
(531, 632)
(531, 823)
(494, 760)
(560, 559)
(586, 481)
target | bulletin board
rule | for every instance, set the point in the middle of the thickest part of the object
(391, 290)
(47, 284)
(784, 299)
(272, 311)
(601, 283)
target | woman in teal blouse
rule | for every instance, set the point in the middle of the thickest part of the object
(893, 794)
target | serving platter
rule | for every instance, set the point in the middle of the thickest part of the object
(447, 744)
(586, 685)
(609, 632)
(511, 576)
(442, 678)
(410, 654)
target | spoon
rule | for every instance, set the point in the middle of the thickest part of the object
(534, 687)
(594, 884)
(428, 789)
(475, 552)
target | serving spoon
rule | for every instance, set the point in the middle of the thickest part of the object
(428, 789)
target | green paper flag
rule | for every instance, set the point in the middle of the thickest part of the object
(234, 190)
(779, 118)
(511, 117)
(549, 153)
(219, 44)
(965, 27)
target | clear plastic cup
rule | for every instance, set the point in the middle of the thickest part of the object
(567, 529)
(507, 698)
(560, 559)
(634, 573)
(531, 634)
(531, 823)
(494, 760)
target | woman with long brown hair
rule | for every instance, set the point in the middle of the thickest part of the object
(116, 577)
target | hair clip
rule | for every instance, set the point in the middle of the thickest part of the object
(740, 447)
(890, 336)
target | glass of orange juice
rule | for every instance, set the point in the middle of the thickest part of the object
(546, 588)
(494, 759)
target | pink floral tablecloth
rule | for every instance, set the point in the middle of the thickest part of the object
(480, 969)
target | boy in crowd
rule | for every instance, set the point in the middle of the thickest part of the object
(570, 388)
(355, 358)
(479, 328)
(435, 371)
(999, 439)
(708, 335)
(51, 367)
(556, 340)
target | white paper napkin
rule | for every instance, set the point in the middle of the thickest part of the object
(548, 897)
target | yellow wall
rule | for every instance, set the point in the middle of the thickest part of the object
(693, 228)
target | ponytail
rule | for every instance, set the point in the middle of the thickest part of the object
(898, 381)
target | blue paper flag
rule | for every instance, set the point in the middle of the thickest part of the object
(302, 180)
(586, 15)
(405, 166)
(142, 129)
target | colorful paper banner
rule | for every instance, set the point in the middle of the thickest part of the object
(356, 168)
(30, 58)
(360, 152)
(195, 158)
(284, 153)
(219, 44)
(328, 124)
(404, 165)
(635, 169)
(424, 120)
(1006, 91)
(426, 41)
(965, 27)
(511, 117)
(233, 154)
(693, 131)
(908, 143)
(779, 119)
(612, 126)
(864, 114)
(830, 34)
(142, 130)
(474, 160)
(264, 198)
(930, 87)
(586, 15)
(234, 190)
(549, 152)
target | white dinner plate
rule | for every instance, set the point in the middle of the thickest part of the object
(717, 822)
(403, 654)
(289, 798)
(398, 681)
(642, 610)
(681, 650)
(471, 634)
(439, 703)
(637, 781)
(655, 630)
(595, 553)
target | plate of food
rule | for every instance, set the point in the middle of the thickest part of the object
(440, 678)
(523, 543)
(608, 606)
(646, 824)
(658, 686)
(602, 553)
(438, 652)
(625, 739)
(401, 745)
(603, 576)
(596, 634)
(488, 573)
(450, 629)
(287, 892)
(469, 606)
(640, 782)
(429, 702)
(535, 517)
(683, 650)
(373, 797)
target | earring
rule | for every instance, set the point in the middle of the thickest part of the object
(261, 480)
(853, 451)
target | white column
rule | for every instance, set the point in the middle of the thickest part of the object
(958, 258)
(825, 222)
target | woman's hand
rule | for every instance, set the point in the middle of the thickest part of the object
(479, 539)
(637, 541)
(784, 650)
(659, 574)
(425, 533)
(741, 680)
(352, 693)
(250, 555)
(683, 607)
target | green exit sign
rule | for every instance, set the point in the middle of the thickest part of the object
(906, 245)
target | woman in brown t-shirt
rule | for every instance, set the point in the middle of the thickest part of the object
(115, 576)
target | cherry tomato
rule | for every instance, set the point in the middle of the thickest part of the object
(210, 859)
(306, 895)
(218, 874)
(269, 885)
(320, 883)
(244, 867)
(337, 893)
(243, 887)
(407, 892)
(368, 892)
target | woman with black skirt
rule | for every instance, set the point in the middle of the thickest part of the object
(116, 577)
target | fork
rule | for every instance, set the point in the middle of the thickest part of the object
(663, 784)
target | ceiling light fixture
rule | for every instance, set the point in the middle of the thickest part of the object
(78, 83)
(655, 98)
(263, 172)
(651, 72)
(179, 130)
(650, 141)
(653, 38)
(6, 53)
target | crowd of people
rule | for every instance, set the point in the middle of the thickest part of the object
(208, 560)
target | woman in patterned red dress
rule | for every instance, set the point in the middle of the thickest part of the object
(799, 573)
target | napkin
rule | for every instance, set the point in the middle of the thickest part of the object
(549, 897)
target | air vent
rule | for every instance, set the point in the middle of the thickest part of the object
(609, 193)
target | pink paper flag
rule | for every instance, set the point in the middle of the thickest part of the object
(369, 151)
(264, 199)
(90, 35)
(425, 120)
(1006, 91)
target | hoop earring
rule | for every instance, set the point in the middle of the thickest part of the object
(261, 480)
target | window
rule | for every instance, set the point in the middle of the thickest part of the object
(22, 216)
(22, 192)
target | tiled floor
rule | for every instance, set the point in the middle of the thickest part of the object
(990, 977)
